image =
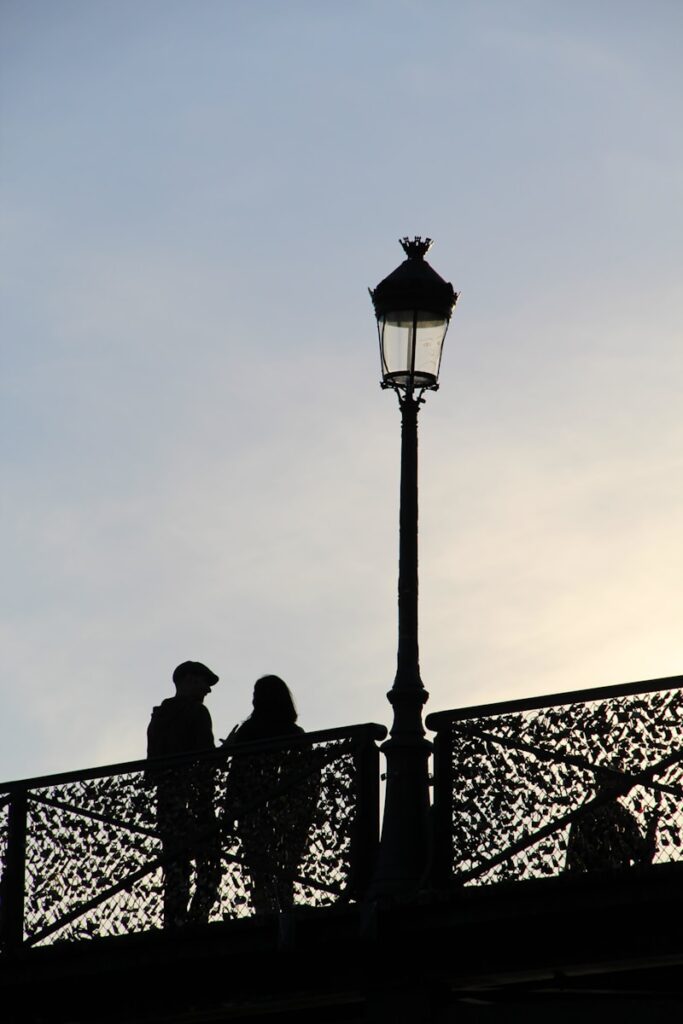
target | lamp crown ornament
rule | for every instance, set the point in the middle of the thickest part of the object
(416, 248)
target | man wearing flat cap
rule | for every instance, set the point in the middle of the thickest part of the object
(186, 817)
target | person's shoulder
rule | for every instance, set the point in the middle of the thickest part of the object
(164, 710)
(624, 816)
(165, 704)
(244, 732)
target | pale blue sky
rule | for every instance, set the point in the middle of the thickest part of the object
(197, 459)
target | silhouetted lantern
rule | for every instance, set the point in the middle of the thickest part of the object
(413, 306)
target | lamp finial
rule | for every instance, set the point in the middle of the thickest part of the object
(416, 248)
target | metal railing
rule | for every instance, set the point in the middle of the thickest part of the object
(584, 781)
(254, 828)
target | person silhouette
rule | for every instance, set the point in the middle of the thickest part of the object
(186, 817)
(607, 836)
(271, 796)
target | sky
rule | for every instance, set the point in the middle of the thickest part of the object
(197, 459)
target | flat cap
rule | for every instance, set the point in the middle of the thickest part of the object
(194, 668)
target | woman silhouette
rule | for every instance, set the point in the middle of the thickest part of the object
(271, 795)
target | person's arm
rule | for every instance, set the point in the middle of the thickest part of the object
(231, 738)
(636, 845)
(202, 731)
(650, 840)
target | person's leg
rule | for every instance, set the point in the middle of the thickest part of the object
(176, 887)
(173, 825)
(264, 895)
(207, 878)
(256, 843)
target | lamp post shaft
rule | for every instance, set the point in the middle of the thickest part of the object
(408, 660)
(405, 844)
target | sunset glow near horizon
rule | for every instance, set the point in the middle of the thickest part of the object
(198, 462)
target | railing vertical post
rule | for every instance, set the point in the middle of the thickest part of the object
(14, 874)
(442, 863)
(366, 831)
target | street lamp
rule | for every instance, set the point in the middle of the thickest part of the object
(413, 306)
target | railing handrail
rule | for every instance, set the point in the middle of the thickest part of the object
(364, 731)
(437, 721)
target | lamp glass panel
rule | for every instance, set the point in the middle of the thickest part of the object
(411, 347)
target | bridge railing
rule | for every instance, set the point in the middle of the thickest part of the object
(254, 828)
(583, 781)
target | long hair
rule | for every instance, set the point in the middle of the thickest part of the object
(273, 702)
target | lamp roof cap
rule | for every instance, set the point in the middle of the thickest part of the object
(414, 284)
